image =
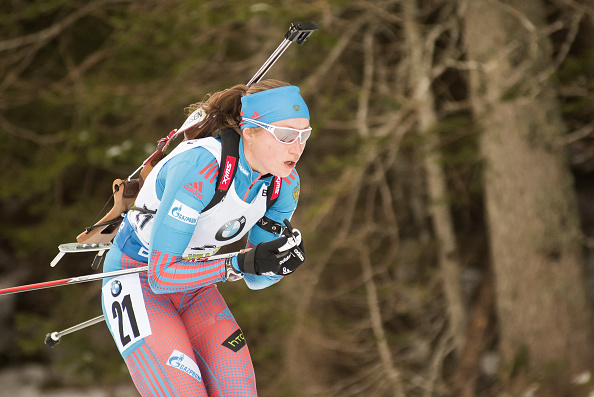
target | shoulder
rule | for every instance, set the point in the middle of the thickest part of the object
(193, 159)
(196, 153)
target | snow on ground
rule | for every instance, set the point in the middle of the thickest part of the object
(27, 381)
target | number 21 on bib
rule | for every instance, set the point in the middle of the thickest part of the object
(125, 309)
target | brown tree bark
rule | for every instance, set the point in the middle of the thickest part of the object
(543, 314)
(420, 50)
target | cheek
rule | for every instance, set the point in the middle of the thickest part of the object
(266, 151)
(271, 150)
(273, 157)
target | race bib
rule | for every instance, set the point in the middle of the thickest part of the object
(126, 312)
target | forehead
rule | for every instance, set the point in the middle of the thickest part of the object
(298, 123)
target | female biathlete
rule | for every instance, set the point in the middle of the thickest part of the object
(171, 324)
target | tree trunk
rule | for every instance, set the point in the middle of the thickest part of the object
(543, 313)
(441, 218)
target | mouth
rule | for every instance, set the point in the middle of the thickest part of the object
(290, 163)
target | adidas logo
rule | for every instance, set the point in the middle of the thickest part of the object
(194, 188)
(297, 252)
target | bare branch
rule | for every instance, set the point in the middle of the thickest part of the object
(565, 48)
(29, 134)
(577, 6)
(47, 34)
(578, 134)
(343, 43)
(392, 374)
(367, 83)
(524, 21)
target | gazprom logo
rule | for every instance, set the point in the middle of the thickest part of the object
(183, 213)
(185, 364)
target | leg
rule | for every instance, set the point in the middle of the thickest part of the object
(151, 337)
(219, 344)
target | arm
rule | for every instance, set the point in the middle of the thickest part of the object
(282, 209)
(185, 186)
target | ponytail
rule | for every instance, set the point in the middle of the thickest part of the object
(223, 108)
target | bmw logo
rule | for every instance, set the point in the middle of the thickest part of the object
(116, 288)
(230, 229)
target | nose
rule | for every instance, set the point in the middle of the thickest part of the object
(296, 147)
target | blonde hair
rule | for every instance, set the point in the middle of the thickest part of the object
(223, 108)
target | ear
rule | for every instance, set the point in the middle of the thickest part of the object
(248, 133)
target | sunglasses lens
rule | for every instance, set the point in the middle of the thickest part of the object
(285, 135)
(305, 136)
(282, 134)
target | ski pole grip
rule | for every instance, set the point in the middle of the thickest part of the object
(300, 31)
(288, 228)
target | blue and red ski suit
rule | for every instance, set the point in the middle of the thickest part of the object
(171, 324)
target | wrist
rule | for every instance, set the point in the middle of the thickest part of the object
(235, 264)
(246, 262)
(231, 270)
(239, 259)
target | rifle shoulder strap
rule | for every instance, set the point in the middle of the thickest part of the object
(228, 165)
(227, 171)
(273, 191)
(271, 196)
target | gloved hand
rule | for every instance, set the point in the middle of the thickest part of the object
(280, 256)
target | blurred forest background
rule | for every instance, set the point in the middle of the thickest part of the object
(447, 191)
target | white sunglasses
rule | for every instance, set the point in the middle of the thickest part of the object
(283, 134)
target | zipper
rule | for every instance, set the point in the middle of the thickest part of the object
(250, 188)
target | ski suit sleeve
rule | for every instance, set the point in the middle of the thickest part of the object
(282, 209)
(186, 184)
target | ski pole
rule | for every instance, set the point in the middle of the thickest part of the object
(298, 33)
(53, 338)
(94, 277)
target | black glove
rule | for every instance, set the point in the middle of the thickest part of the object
(281, 256)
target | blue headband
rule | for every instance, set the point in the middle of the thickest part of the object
(273, 105)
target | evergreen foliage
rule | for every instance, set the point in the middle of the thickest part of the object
(88, 87)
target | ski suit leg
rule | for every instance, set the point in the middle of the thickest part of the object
(219, 344)
(157, 351)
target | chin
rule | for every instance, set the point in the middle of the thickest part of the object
(283, 174)
(283, 171)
